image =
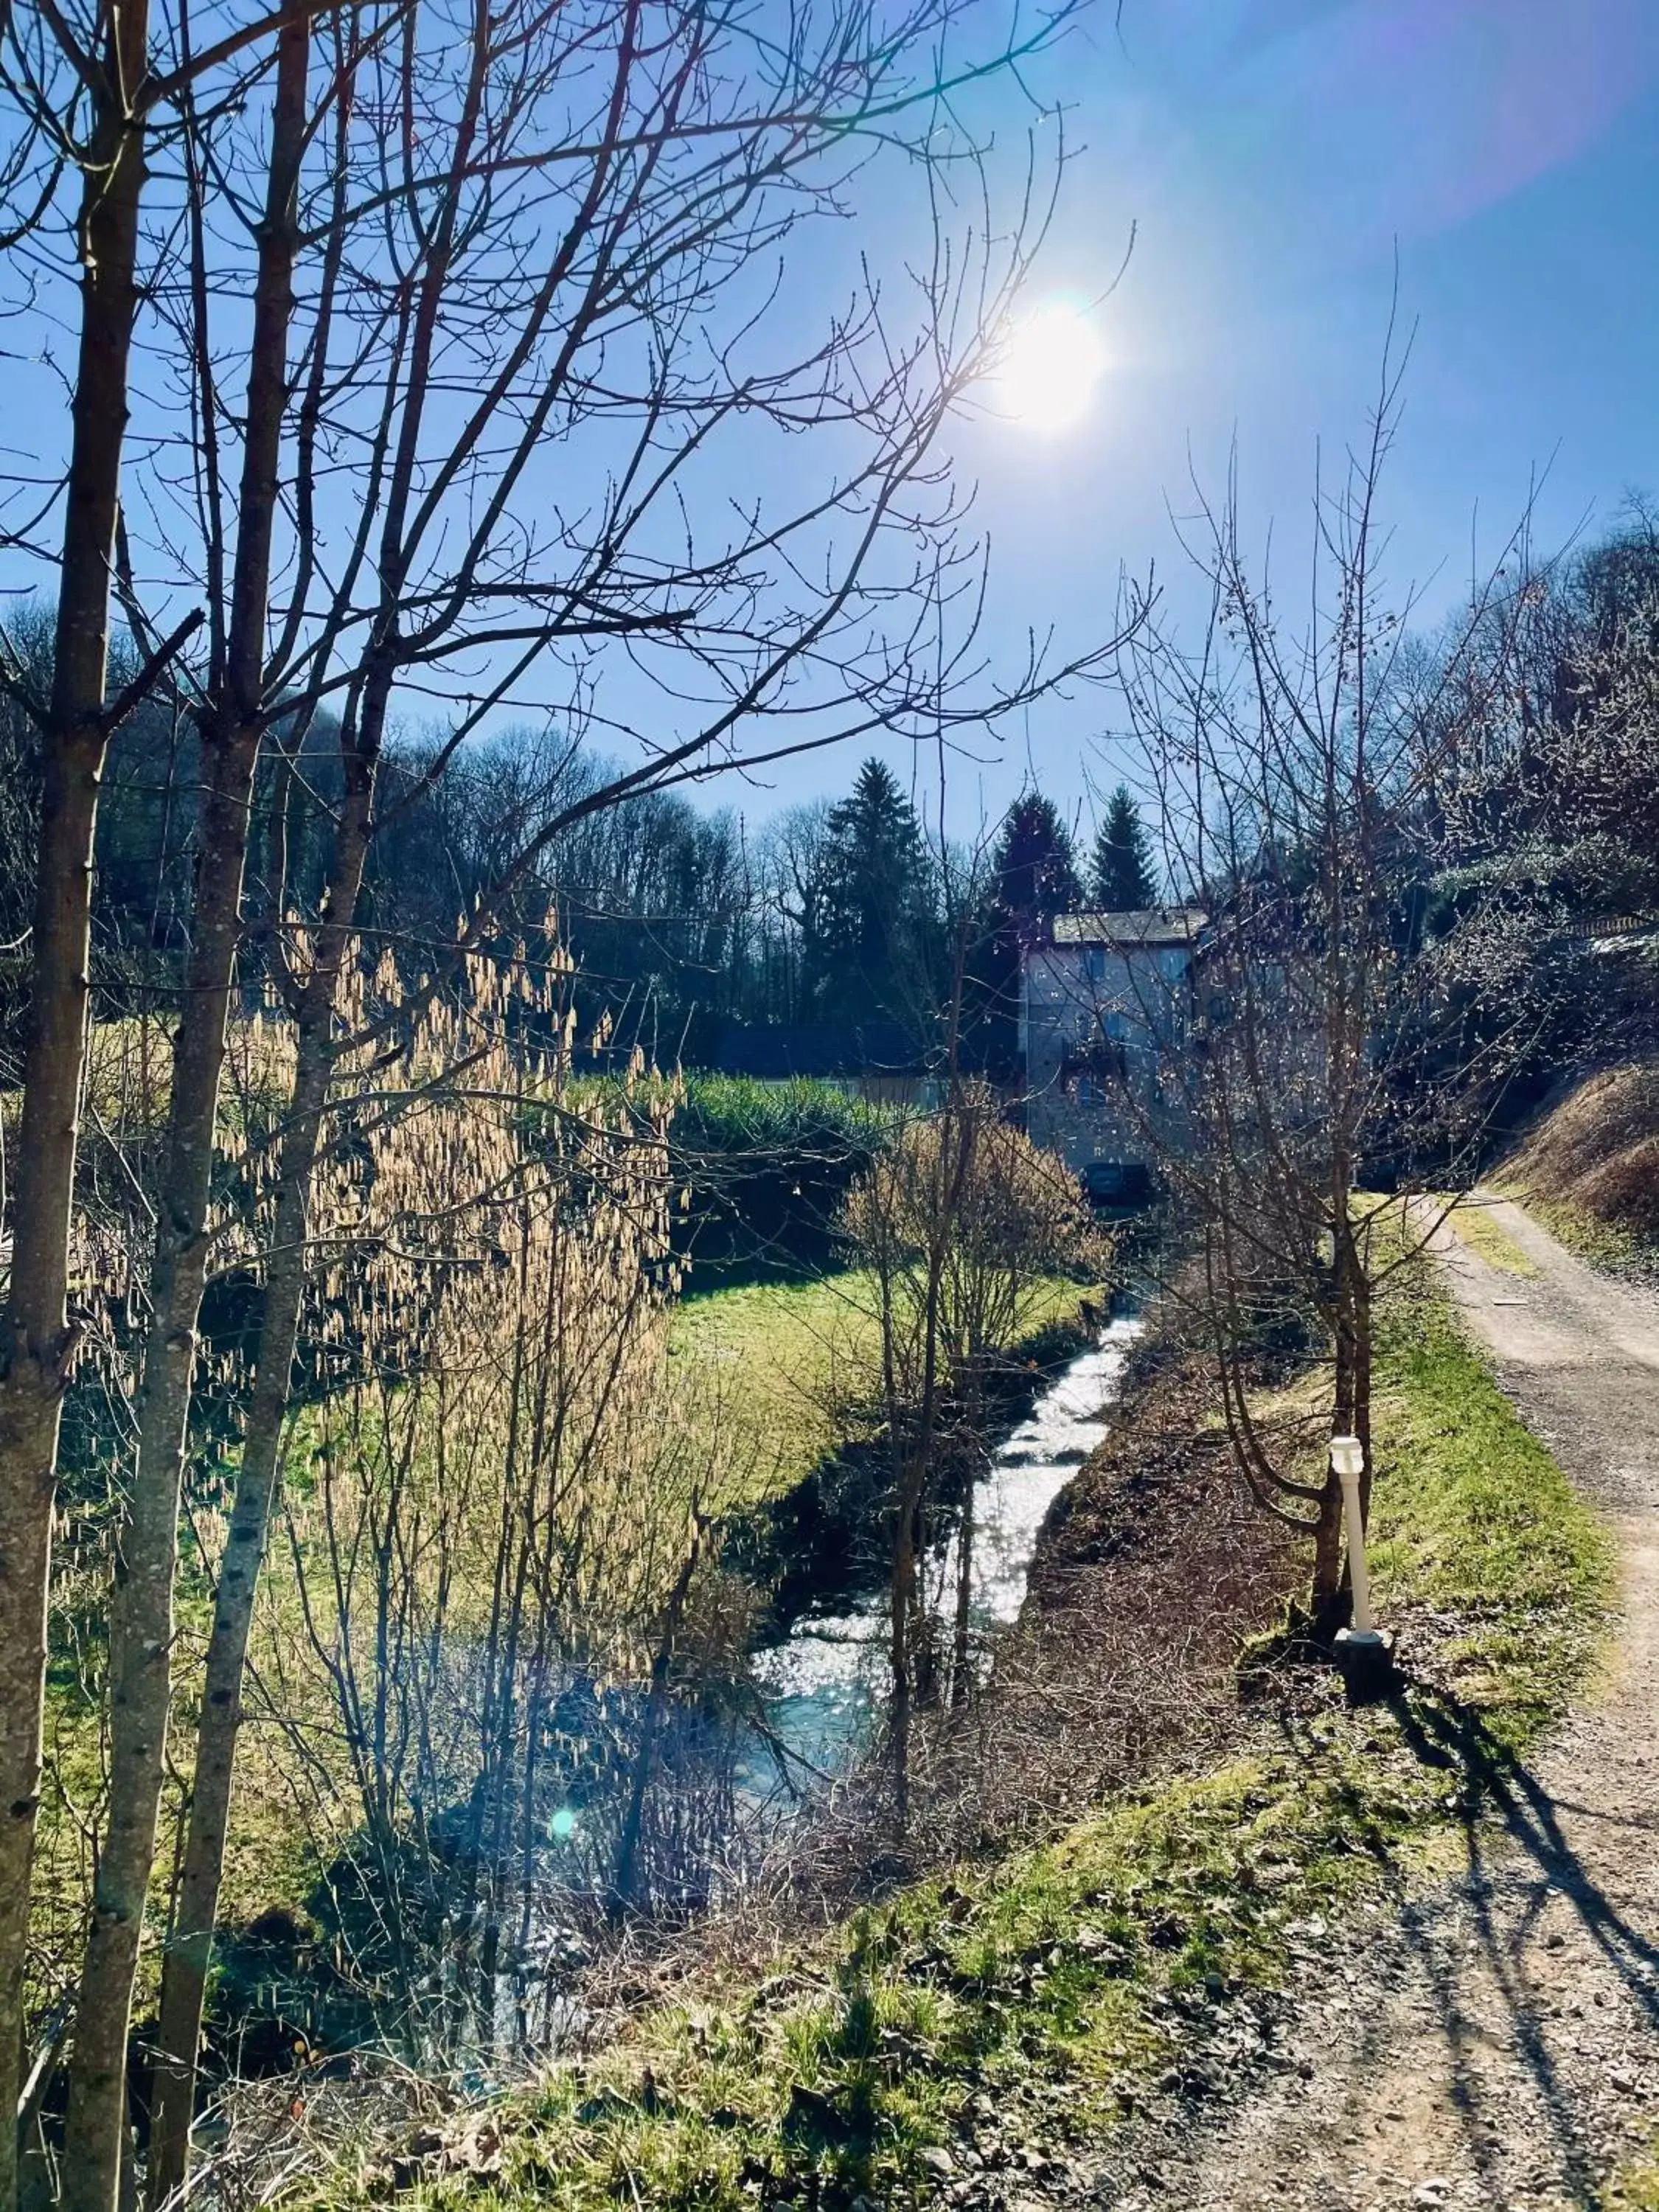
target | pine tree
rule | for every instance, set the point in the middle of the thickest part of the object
(871, 956)
(1123, 879)
(1034, 872)
(1033, 878)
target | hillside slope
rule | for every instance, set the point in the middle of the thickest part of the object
(1589, 1167)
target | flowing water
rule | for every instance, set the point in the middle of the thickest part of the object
(822, 1685)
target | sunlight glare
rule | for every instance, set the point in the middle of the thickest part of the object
(1048, 372)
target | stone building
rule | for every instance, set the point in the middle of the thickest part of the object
(1104, 1006)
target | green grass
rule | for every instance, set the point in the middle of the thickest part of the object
(1080, 1968)
(738, 1113)
(775, 1363)
(1635, 2186)
(784, 1366)
(1486, 1237)
(1599, 1244)
(1472, 1516)
(1066, 1978)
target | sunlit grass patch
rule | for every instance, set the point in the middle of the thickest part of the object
(790, 1370)
(866, 2070)
(1474, 1224)
(779, 1364)
(1472, 1517)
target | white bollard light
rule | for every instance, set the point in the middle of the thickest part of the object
(1348, 1464)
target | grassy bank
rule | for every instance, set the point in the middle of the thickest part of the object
(782, 1364)
(1602, 1244)
(1008, 2016)
(1587, 1168)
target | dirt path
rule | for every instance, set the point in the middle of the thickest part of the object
(1497, 2043)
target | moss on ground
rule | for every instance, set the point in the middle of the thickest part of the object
(1086, 1966)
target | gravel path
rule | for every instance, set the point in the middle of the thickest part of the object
(1496, 2042)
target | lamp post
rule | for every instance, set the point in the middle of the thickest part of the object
(1363, 1647)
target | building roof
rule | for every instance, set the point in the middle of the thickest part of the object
(1141, 929)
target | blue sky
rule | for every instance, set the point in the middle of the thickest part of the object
(1273, 160)
(1273, 156)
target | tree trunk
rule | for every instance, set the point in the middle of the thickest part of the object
(36, 1344)
(184, 1970)
(1331, 1602)
(184, 1976)
(1325, 1603)
(141, 1608)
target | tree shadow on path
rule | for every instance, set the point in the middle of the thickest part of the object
(1445, 1734)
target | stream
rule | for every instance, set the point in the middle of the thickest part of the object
(823, 1680)
(823, 1684)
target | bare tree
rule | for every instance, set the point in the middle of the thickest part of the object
(141, 1609)
(1302, 1100)
(85, 92)
(37, 1344)
(538, 233)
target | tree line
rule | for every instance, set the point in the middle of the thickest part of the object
(680, 919)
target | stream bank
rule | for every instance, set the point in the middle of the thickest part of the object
(820, 1679)
(1141, 2010)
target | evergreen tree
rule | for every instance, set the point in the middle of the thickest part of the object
(1035, 873)
(1123, 879)
(1033, 878)
(871, 955)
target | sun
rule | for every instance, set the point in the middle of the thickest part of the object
(1049, 369)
